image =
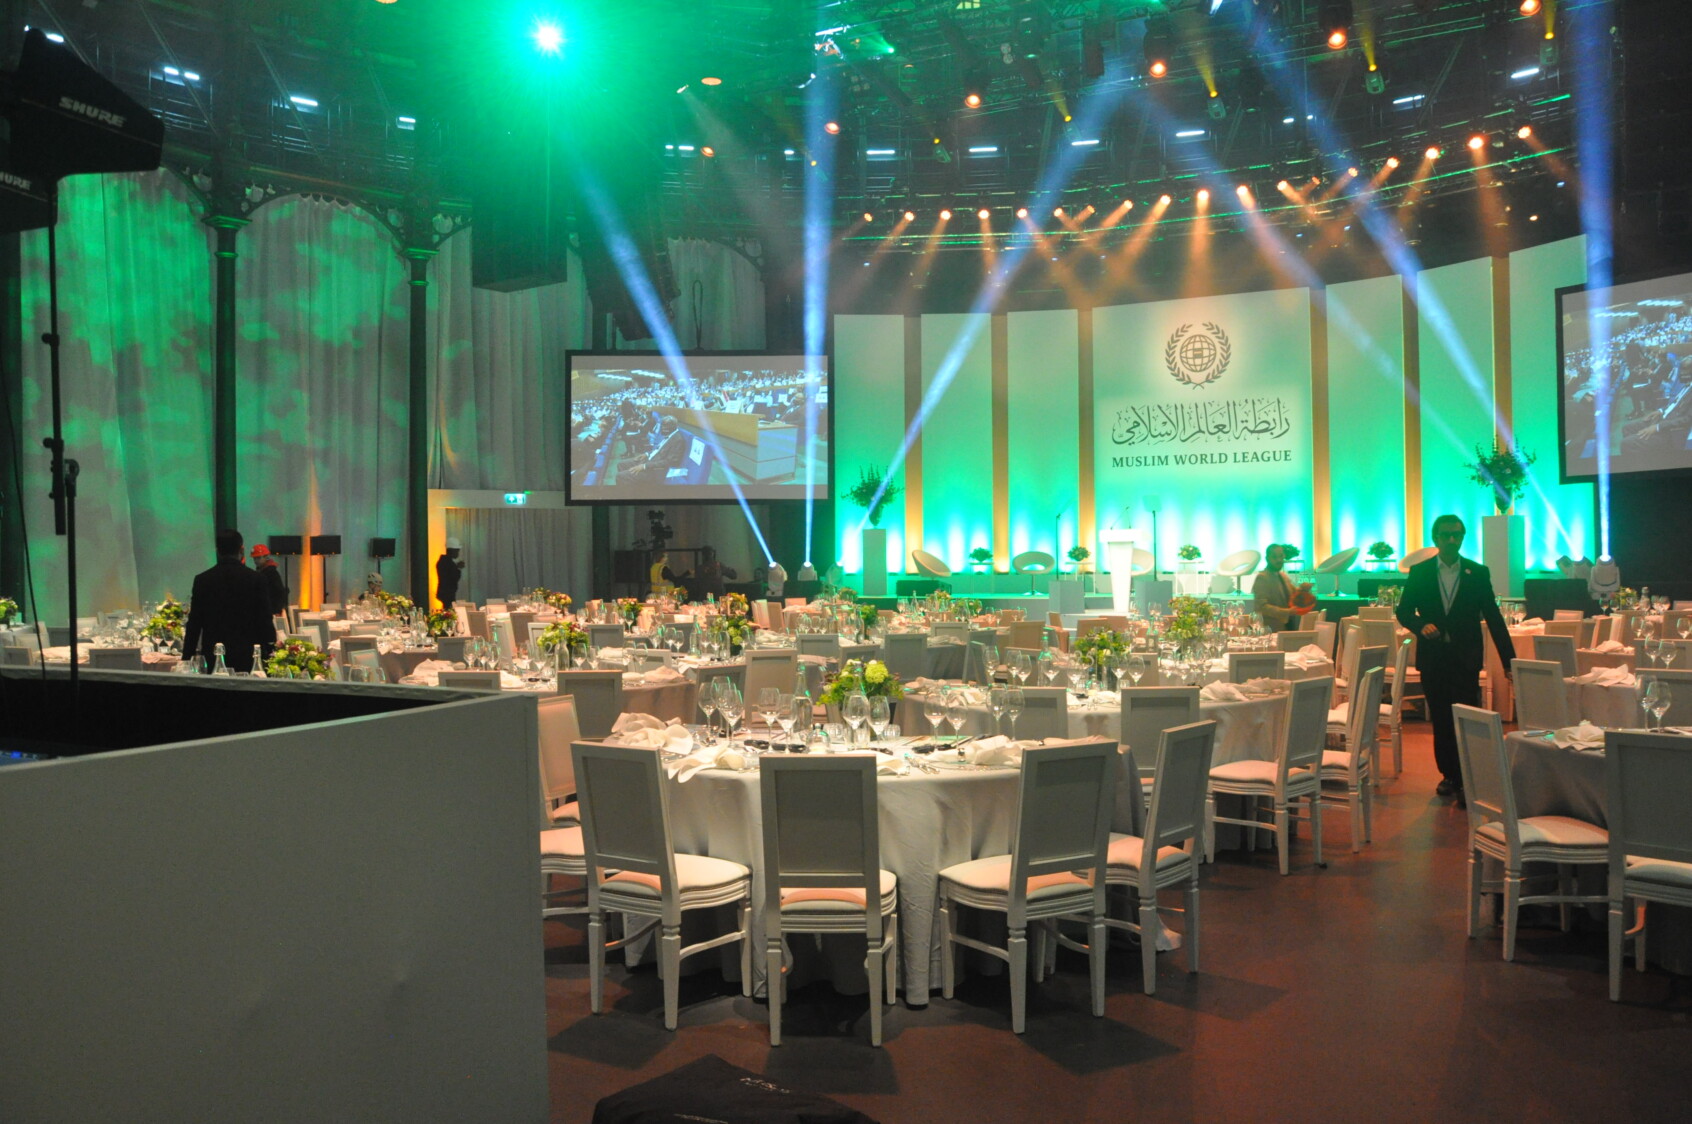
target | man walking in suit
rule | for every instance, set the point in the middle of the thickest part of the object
(1272, 591)
(1445, 601)
(230, 606)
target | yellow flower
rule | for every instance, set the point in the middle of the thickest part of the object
(876, 672)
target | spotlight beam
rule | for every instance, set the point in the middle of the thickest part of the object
(819, 205)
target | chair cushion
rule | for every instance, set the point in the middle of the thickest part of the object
(693, 872)
(1337, 761)
(992, 875)
(1339, 716)
(562, 841)
(820, 899)
(1557, 831)
(1261, 772)
(1660, 870)
(1125, 852)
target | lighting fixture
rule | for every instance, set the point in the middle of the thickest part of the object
(832, 128)
(1165, 199)
(868, 217)
(945, 214)
(1477, 142)
(1524, 132)
(710, 81)
(1157, 44)
(972, 99)
(984, 214)
(1203, 195)
(1433, 152)
(548, 37)
(302, 102)
(910, 216)
(1283, 186)
(1022, 212)
(1530, 7)
(1392, 162)
(707, 151)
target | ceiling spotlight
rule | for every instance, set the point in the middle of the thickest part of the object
(1392, 161)
(1433, 152)
(832, 128)
(972, 99)
(1335, 16)
(1336, 39)
(712, 81)
(1165, 199)
(1159, 69)
(1351, 171)
(1157, 44)
(910, 216)
(1057, 212)
(1374, 82)
(1203, 195)
(984, 214)
(1530, 7)
(945, 215)
(1242, 191)
(1283, 186)
(548, 38)
(1524, 132)
(707, 151)
(1477, 142)
(1022, 212)
(868, 217)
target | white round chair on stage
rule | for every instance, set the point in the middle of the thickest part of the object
(1238, 564)
(1142, 563)
(1033, 563)
(928, 565)
(1416, 556)
(1337, 564)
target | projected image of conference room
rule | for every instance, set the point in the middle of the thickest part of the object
(756, 423)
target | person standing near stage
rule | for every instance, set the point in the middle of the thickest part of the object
(449, 567)
(229, 606)
(1272, 591)
(1446, 599)
(273, 583)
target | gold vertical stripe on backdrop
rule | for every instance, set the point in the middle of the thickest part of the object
(1320, 446)
(1085, 514)
(1503, 379)
(1001, 440)
(913, 456)
(1413, 530)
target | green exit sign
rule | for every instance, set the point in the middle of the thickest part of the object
(517, 499)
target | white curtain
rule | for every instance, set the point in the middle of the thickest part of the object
(721, 306)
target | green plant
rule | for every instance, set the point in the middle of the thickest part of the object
(1098, 647)
(298, 659)
(1078, 554)
(872, 678)
(1380, 550)
(563, 633)
(869, 614)
(394, 604)
(869, 493)
(981, 555)
(1504, 470)
(1192, 618)
(1189, 553)
(443, 623)
(8, 610)
(1289, 551)
(168, 622)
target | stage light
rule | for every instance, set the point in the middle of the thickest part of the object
(1157, 44)
(1335, 21)
(1524, 132)
(1283, 186)
(868, 217)
(984, 214)
(1057, 212)
(1165, 200)
(1159, 69)
(303, 102)
(910, 216)
(1022, 212)
(832, 128)
(548, 37)
(1530, 7)
(1242, 191)
(1477, 142)
(1351, 171)
(972, 99)
(712, 81)
(1392, 161)
(1336, 39)
(1433, 152)
(1203, 195)
(945, 215)
(1217, 109)
(707, 151)
(1375, 81)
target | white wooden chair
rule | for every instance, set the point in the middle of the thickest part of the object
(475, 680)
(1347, 774)
(1560, 649)
(599, 699)
(1256, 665)
(1293, 775)
(560, 823)
(1365, 660)
(907, 654)
(1497, 832)
(1045, 713)
(818, 644)
(1650, 852)
(1147, 712)
(1541, 695)
(607, 636)
(476, 623)
(770, 667)
(626, 828)
(1056, 867)
(822, 864)
(115, 659)
(1403, 688)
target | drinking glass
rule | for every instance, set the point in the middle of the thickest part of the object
(996, 707)
(1653, 649)
(957, 712)
(880, 714)
(1048, 668)
(1667, 650)
(856, 711)
(769, 702)
(1654, 701)
(730, 705)
(1014, 702)
(934, 710)
(784, 715)
(1136, 668)
(708, 704)
(1021, 666)
(1077, 679)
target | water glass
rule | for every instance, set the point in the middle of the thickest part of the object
(880, 714)
(1014, 702)
(957, 711)
(996, 707)
(856, 710)
(934, 710)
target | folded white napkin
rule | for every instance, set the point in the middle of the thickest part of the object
(1606, 677)
(1103, 698)
(650, 732)
(1583, 736)
(510, 682)
(1311, 652)
(921, 683)
(658, 675)
(996, 750)
(1265, 686)
(428, 672)
(1221, 692)
(1532, 624)
(972, 696)
(723, 755)
(614, 655)
(1612, 646)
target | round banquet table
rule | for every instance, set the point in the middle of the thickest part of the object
(150, 661)
(1612, 707)
(928, 822)
(1549, 780)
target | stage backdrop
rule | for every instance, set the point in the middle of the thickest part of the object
(1205, 404)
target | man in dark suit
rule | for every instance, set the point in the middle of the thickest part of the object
(230, 606)
(1445, 601)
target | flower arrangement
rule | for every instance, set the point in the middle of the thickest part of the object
(1504, 470)
(1078, 554)
(1189, 553)
(629, 609)
(1625, 598)
(1192, 618)
(863, 493)
(871, 678)
(679, 594)
(981, 555)
(395, 604)
(734, 604)
(298, 659)
(869, 614)
(559, 601)
(1380, 550)
(1389, 595)
(168, 622)
(564, 634)
(1289, 551)
(845, 594)
(8, 610)
(736, 629)
(1100, 647)
(443, 623)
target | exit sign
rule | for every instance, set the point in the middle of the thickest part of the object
(517, 499)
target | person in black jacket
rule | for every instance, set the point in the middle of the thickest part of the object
(230, 606)
(273, 583)
(1445, 601)
(449, 567)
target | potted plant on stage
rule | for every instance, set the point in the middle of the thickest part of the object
(1189, 556)
(869, 494)
(1290, 554)
(1503, 471)
(1380, 554)
(981, 557)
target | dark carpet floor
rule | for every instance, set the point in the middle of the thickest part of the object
(1349, 993)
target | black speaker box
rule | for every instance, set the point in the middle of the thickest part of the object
(285, 545)
(381, 548)
(326, 544)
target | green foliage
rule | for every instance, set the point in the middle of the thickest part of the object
(1189, 553)
(1099, 647)
(981, 555)
(563, 633)
(863, 493)
(298, 659)
(872, 679)
(443, 623)
(1380, 550)
(168, 622)
(1289, 551)
(1504, 470)
(1078, 554)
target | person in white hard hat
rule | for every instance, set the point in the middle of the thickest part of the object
(449, 567)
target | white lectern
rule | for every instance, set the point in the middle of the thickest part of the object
(1117, 546)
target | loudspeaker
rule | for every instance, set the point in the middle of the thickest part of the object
(68, 120)
(27, 202)
(326, 544)
(382, 548)
(284, 546)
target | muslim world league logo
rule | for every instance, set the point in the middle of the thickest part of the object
(1198, 358)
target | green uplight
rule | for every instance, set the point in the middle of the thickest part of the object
(548, 37)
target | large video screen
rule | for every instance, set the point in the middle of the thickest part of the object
(1635, 340)
(644, 428)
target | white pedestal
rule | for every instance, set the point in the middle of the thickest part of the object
(1067, 596)
(875, 562)
(1149, 592)
(1504, 550)
(1117, 546)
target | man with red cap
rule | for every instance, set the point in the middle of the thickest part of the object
(274, 588)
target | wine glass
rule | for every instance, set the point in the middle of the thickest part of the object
(1014, 702)
(1668, 650)
(934, 710)
(996, 707)
(1136, 668)
(880, 714)
(1654, 700)
(708, 704)
(769, 702)
(1048, 668)
(784, 716)
(957, 711)
(856, 711)
(1021, 666)
(1077, 679)
(729, 704)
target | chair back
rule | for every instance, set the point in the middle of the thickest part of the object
(1292, 641)
(316, 630)
(366, 660)
(478, 680)
(1557, 649)
(451, 648)
(1148, 711)
(1368, 659)
(351, 644)
(1026, 634)
(599, 699)
(1256, 665)
(1086, 626)
(865, 651)
(625, 818)
(1181, 778)
(1363, 724)
(1571, 628)
(1400, 673)
(1486, 771)
(115, 659)
(1045, 713)
(16, 655)
(1306, 727)
(476, 623)
(557, 730)
(1541, 696)
(606, 636)
(1374, 612)
(518, 629)
(760, 613)
(1376, 633)
(770, 667)
(979, 665)
(364, 628)
(907, 654)
(818, 644)
(1566, 615)
(956, 630)
(1063, 818)
(822, 831)
(1648, 776)
(1325, 631)
(1012, 616)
